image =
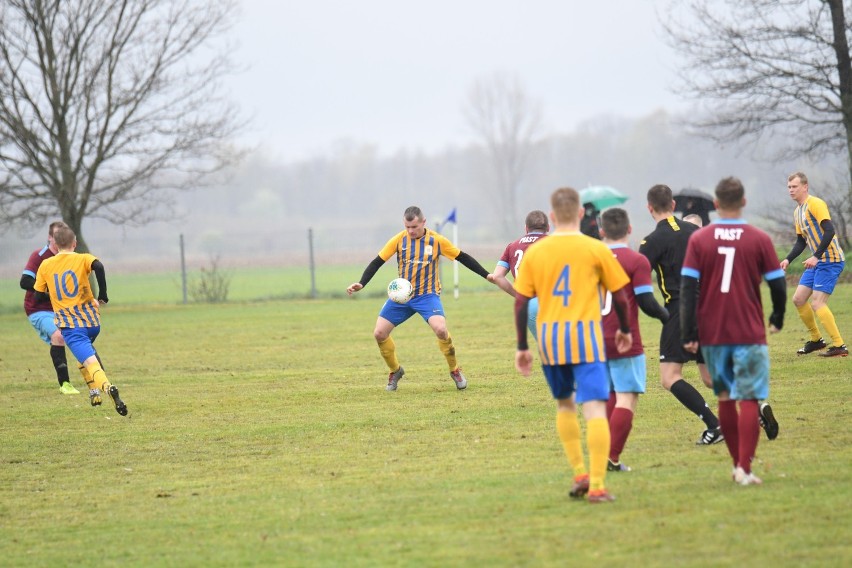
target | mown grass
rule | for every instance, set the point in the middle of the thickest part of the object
(260, 433)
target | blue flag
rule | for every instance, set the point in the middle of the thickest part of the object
(451, 218)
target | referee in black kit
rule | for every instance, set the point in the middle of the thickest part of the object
(665, 249)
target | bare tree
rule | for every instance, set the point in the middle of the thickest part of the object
(108, 106)
(507, 121)
(769, 71)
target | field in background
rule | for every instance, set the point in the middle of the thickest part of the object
(260, 433)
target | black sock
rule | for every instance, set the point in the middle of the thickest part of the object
(60, 363)
(692, 399)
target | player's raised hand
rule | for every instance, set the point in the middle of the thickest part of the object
(523, 362)
(354, 287)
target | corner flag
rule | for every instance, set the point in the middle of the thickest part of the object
(451, 218)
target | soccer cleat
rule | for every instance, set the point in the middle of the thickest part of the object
(600, 496)
(833, 351)
(580, 487)
(120, 407)
(393, 378)
(95, 397)
(811, 346)
(767, 421)
(616, 466)
(458, 378)
(710, 436)
(743, 478)
(68, 388)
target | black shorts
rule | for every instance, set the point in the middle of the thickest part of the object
(671, 344)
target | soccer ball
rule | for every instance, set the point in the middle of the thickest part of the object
(400, 290)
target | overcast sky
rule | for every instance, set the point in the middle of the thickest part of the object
(396, 73)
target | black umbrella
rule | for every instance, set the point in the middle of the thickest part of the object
(694, 201)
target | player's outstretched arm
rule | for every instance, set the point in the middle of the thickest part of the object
(649, 306)
(498, 277)
(368, 274)
(472, 264)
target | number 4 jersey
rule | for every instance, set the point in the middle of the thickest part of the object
(66, 278)
(729, 258)
(566, 272)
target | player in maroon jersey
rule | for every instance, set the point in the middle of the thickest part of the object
(722, 311)
(627, 371)
(535, 228)
(40, 313)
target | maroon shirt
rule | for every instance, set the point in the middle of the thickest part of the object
(730, 258)
(31, 305)
(514, 252)
(638, 269)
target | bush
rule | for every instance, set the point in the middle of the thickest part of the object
(212, 285)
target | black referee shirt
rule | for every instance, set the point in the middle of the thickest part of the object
(665, 249)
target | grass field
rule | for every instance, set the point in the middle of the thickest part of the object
(260, 434)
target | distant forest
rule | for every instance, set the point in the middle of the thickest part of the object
(352, 198)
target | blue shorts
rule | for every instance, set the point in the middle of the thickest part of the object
(740, 370)
(627, 374)
(427, 305)
(80, 339)
(43, 324)
(823, 277)
(532, 315)
(590, 380)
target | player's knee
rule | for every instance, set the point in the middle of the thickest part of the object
(380, 335)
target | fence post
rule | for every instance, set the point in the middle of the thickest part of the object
(312, 266)
(183, 267)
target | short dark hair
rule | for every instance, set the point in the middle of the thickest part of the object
(53, 227)
(413, 213)
(802, 177)
(537, 221)
(730, 193)
(660, 198)
(615, 223)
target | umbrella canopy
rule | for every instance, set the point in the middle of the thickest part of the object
(691, 200)
(602, 196)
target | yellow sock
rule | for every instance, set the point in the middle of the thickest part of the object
(86, 376)
(826, 318)
(388, 350)
(449, 352)
(807, 315)
(597, 438)
(568, 427)
(99, 378)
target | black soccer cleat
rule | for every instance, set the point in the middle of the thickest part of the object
(768, 421)
(120, 407)
(710, 436)
(811, 346)
(836, 351)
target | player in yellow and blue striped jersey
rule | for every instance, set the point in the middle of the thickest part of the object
(417, 250)
(815, 231)
(64, 278)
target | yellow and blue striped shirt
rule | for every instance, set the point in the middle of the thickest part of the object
(808, 216)
(417, 259)
(66, 278)
(569, 273)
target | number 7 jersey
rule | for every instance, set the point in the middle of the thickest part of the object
(566, 272)
(729, 258)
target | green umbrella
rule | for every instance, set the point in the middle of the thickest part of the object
(602, 196)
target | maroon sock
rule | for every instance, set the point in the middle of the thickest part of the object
(620, 425)
(749, 430)
(728, 420)
(610, 405)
